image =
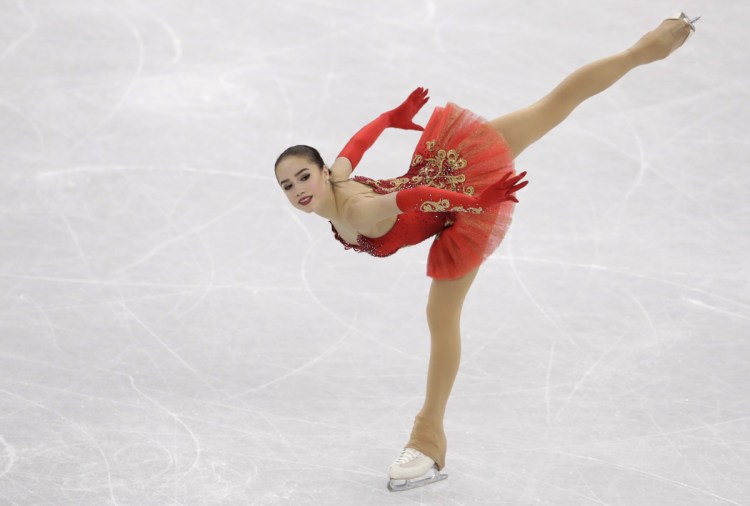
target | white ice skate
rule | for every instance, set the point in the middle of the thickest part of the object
(411, 470)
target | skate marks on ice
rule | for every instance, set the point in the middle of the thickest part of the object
(170, 334)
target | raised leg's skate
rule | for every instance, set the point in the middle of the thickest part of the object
(665, 39)
(411, 470)
(684, 17)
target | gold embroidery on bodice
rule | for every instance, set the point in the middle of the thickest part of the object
(436, 169)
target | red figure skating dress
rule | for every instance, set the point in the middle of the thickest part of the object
(460, 152)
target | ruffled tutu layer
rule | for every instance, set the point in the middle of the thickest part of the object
(459, 151)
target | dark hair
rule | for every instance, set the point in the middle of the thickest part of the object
(311, 154)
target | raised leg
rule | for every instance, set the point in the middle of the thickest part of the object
(444, 306)
(524, 127)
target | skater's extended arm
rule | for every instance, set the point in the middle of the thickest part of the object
(367, 211)
(400, 117)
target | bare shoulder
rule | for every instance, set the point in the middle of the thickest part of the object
(341, 169)
(360, 208)
(365, 212)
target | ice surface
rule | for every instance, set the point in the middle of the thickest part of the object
(173, 332)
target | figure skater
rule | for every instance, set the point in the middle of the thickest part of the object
(460, 188)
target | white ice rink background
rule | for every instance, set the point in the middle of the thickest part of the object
(172, 332)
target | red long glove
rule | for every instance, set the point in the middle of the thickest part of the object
(400, 117)
(435, 200)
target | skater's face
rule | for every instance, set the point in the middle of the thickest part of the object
(303, 182)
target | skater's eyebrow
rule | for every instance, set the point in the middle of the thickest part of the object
(297, 174)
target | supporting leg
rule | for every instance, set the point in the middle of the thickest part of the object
(443, 317)
(524, 127)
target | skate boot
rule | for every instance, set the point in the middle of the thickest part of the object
(664, 40)
(411, 470)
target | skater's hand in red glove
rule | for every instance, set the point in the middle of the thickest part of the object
(402, 116)
(502, 190)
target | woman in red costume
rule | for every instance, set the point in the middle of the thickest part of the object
(460, 188)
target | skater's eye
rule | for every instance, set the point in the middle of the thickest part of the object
(302, 175)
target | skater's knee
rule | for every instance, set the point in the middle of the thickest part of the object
(442, 317)
(432, 311)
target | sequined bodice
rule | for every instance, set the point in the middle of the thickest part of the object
(411, 227)
(433, 166)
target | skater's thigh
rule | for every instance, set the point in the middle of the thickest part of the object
(525, 126)
(447, 297)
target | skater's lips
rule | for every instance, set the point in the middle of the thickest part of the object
(304, 200)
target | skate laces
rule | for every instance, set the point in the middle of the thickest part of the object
(408, 455)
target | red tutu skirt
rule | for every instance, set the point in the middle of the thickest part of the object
(459, 152)
(462, 152)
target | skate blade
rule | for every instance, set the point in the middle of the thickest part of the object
(433, 476)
